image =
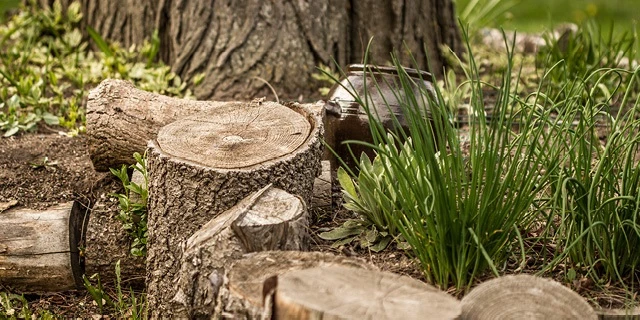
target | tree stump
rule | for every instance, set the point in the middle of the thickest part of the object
(251, 280)
(524, 297)
(39, 249)
(122, 119)
(270, 219)
(203, 165)
(336, 292)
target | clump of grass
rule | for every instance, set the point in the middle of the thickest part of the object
(596, 203)
(46, 68)
(461, 211)
(125, 305)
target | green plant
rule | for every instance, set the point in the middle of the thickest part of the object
(363, 196)
(46, 68)
(482, 13)
(460, 210)
(133, 209)
(127, 306)
(597, 190)
(13, 306)
(584, 52)
(326, 75)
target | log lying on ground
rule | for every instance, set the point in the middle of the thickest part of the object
(121, 119)
(39, 250)
(107, 243)
(250, 279)
(338, 292)
(524, 297)
(270, 219)
(202, 165)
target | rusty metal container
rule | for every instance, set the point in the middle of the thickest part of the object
(347, 120)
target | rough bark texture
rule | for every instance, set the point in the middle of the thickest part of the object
(185, 194)
(526, 297)
(106, 243)
(122, 119)
(337, 292)
(270, 214)
(249, 283)
(39, 249)
(279, 41)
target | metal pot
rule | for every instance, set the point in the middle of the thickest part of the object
(347, 120)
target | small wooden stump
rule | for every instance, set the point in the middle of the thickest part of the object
(202, 165)
(39, 249)
(270, 219)
(336, 292)
(524, 297)
(251, 279)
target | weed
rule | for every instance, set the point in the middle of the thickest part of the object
(133, 209)
(126, 306)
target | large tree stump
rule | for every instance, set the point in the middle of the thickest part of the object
(270, 219)
(203, 165)
(524, 297)
(336, 292)
(251, 280)
(122, 119)
(39, 250)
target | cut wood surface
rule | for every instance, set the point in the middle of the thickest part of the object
(250, 280)
(39, 249)
(269, 219)
(337, 292)
(122, 119)
(187, 189)
(524, 297)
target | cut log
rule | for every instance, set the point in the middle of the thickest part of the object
(336, 292)
(203, 165)
(122, 119)
(270, 219)
(107, 243)
(250, 280)
(39, 250)
(524, 297)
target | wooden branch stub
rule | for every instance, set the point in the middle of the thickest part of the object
(336, 292)
(524, 297)
(39, 250)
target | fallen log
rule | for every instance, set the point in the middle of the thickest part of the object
(204, 164)
(337, 292)
(251, 280)
(39, 250)
(121, 119)
(524, 296)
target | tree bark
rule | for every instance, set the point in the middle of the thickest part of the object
(337, 292)
(281, 42)
(39, 250)
(202, 165)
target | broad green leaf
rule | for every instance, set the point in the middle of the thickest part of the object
(50, 119)
(339, 233)
(346, 183)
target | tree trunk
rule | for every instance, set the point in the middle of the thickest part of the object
(237, 42)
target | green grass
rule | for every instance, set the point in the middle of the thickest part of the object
(541, 15)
